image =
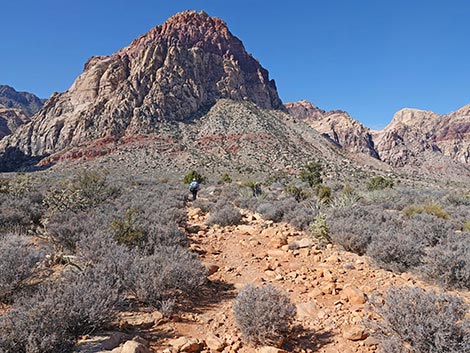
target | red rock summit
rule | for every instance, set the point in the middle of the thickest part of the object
(169, 74)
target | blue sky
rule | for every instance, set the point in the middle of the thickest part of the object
(368, 57)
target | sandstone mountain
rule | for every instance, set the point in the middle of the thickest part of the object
(336, 125)
(16, 108)
(27, 102)
(414, 139)
(414, 133)
(172, 73)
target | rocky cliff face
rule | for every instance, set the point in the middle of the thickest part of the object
(336, 125)
(16, 108)
(414, 133)
(172, 73)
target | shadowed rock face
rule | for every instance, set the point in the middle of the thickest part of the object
(169, 74)
(336, 125)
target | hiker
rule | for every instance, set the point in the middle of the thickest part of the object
(194, 188)
(256, 190)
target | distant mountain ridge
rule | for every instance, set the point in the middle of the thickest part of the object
(25, 101)
(412, 138)
(16, 108)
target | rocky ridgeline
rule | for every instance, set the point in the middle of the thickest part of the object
(330, 287)
(16, 108)
(169, 74)
(414, 137)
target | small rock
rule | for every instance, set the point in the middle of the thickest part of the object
(211, 268)
(134, 347)
(306, 310)
(215, 343)
(194, 212)
(353, 295)
(371, 341)
(270, 349)
(354, 332)
(114, 341)
(186, 344)
(304, 243)
(329, 288)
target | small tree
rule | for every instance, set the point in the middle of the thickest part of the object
(311, 174)
(225, 179)
(193, 175)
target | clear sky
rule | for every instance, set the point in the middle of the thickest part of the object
(368, 57)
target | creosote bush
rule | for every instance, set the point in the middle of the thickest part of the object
(263, 314)
(421, 321)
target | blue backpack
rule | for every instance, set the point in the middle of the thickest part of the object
(193, 186)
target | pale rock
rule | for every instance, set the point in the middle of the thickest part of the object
(214, 343)
(194, 212)
(354, 332)
(306, 310)
(353, 295)
(134, 347)
(270, 349)
(186, 344)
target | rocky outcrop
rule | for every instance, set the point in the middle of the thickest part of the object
(336, 125)
(414, 133)
(10, 120)
(24, 101)
(173, 73)
(16, 108)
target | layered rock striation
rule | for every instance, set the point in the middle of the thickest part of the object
(173, 73)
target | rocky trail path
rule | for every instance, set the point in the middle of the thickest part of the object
(329, 286)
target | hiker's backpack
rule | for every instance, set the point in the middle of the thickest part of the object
(193, 186)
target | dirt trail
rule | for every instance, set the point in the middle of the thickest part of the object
(329, 286)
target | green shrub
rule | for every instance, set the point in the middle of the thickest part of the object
(311, 174)
(193, 175)
(126, 230)
(225, 179)
(430, 208)
(296, 192)
(263, 314)
(319, 229)
(324, 194)
(379, 183)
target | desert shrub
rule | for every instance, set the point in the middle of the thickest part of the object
(17, 262)
(168, 272)
(394, 250)
(319, 229)
(60, 312)
(465, 227)
(298, 214)
(18, 186)
(21, 212)
(353, 228)
(324, 193)
(87, 189)
(224, 214)
(225, 179)
(311, 174)
(269, 211)
(297, 192)
(65, 229)
(379, 183)
(160, 235)
(126, 230)
(448, 263)
(415, 320)
(193, 175)
(430, 208)
(263, 314)
(204, 205)
(429, 230)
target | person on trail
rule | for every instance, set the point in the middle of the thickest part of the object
(194, 188)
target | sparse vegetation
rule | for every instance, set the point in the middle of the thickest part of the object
(311, 174)
(263, 314)
(224, 214)
(416, 320)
